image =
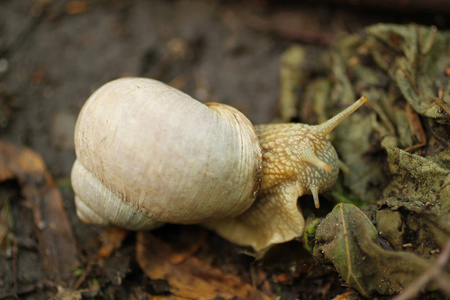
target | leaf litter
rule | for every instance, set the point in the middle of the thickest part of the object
(188, 276)
(397, 148)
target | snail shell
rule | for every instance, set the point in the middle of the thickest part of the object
(148, 154)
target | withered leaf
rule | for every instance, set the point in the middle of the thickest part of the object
(189, 277)
(417, 60)
(419, 184)
(348, 239)
(112, 238)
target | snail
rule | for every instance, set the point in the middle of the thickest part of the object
(148, 154)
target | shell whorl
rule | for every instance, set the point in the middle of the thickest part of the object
(161, 153)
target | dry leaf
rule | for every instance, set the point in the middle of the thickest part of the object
(415, 56)
(347, 296)
(112, 238)
(189, 277)
(349, 239)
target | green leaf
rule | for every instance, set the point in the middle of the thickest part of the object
(349, 240)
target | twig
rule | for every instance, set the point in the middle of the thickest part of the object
(83, 276)
(436, 272)
(291, 33)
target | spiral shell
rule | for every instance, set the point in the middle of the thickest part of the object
(148, 154)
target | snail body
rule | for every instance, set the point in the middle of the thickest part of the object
(148, 154)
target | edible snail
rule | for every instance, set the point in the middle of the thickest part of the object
(148, 154)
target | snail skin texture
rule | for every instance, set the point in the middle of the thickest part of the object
(148, 154)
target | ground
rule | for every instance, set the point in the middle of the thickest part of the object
(54, 54)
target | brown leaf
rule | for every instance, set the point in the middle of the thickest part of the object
(416, 128)
(55, 236)
(190, 278)
(112, 238)
(347, 296)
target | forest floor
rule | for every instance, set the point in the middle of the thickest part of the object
(54, 54)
